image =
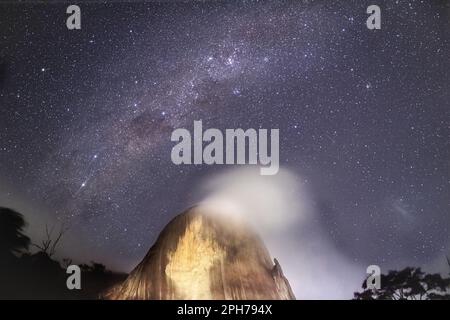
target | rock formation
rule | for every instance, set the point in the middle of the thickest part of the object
(205, 256)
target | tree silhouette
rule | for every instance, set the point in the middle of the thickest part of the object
(408, 284)
(95, 268)
(12, 239)
(27, 275)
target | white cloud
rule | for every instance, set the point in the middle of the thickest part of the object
(281, 210)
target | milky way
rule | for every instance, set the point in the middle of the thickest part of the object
(364, 119)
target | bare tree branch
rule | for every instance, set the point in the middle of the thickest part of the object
(48, 245)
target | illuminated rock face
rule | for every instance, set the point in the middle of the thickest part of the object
(201, 256)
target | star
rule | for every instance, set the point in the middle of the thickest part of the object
(86, 122)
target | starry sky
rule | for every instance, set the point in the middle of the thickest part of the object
(364, 116)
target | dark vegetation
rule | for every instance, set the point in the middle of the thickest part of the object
(408, 284)
(36, 275)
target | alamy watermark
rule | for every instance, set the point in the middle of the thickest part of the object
(73, 21)
(74, 280)
(373, 280)
(236, 146)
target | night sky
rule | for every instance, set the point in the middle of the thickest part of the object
(364, 117)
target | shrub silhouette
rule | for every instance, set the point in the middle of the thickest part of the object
(26, 275)
(408, 284)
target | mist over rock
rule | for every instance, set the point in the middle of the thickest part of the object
(205, 256)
